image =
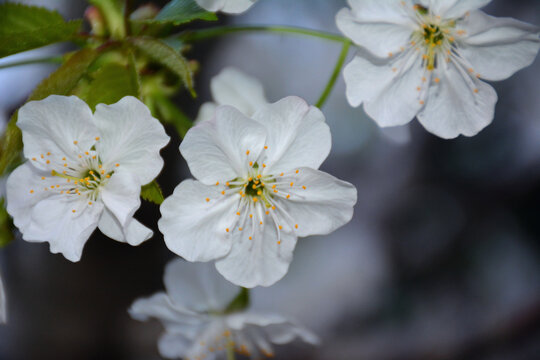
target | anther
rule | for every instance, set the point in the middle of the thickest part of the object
(247, 152)
(296, 226)
(207, 199)
(117, 165)
(303, 187)
(97, 138)
(31, 191)
(75, 142)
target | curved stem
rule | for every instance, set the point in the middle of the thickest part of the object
(204, 34)
(335, 74)
(47, 60)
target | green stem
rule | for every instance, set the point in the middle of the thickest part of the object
(204, 34)
(335, 74)
(47, 60)
(230, 350)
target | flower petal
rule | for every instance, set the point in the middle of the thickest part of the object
(297, 135)
(59, 125)
(220, 149)
(389, 90)
(382, 27)
(454, 108)
(498, 47)
(159, 306)
(134, 233)
(198, 287)
(66, 222)
(277, 328)
(260, 261)
(227, 6)
(131, 137)
(174, 345)
(206, 112)
(193, 227)
(319, 203)
(453, 8)
(237, 89)
(24, 189)
(121, 195)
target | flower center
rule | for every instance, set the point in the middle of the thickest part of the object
(82, 177)
(435, 35)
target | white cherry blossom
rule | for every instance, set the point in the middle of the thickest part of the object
(257, 190)
(226, 6)
(83, 171)
(199, 325)
(427, 58)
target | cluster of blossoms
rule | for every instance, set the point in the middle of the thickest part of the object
(427, 58)
(199, 324)
(257, 186)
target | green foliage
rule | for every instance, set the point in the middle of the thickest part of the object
(25, 27)
(180, 12)
(6, 227)
(162, 53)
(152, 192)
(60, 82)
(239, 303)
(113, 12)
(111, 83)
(168, 112)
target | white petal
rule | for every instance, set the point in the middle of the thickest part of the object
(206, 112)
(381, 27)
(227, 6)
(453, 108)
(173, 345)
(237, 89)
(389, 90)
(498, 47)
(159, 306)
(277, 328)
(130, 137)
(134, 233)
(260, 261)
(121, 195)
(59, 125)
(220, 149)
(3, 303)
(24, 189)
(297, 135)
(453, 8)
(324, 205)
(53, 221)
(198, 287)
(195, 228)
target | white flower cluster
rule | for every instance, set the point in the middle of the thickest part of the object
(257, 185)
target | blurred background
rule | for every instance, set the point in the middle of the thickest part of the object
(441, 259)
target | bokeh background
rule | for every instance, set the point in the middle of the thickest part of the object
(441, 259)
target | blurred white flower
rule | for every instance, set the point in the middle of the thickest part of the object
(257, 190)
(227, 6)
(429, 59)
(3, 307)
(84, 171)
(198, 323)
(235, 88)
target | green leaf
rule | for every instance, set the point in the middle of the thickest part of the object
(180, 12)
(239, 303)
(25, 27)
(170, 113)
(60, 82)
(168, 57)
(6, 226)
(152, 192)
(111, 83)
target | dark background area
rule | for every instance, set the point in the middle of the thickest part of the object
(441, 259)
